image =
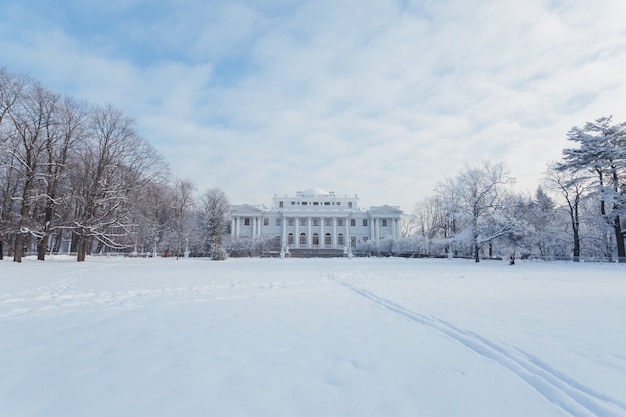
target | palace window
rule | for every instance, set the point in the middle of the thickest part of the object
(340, 239)
(303, 221)
(266, 222)
(290, 239)
(352, 222)
(279, 222)
(384, 223)
(328, 221)
(316, 221)
(339, 222)
(364, 222)
(316, 239)
(303, 238)
(291, 221)
(246, 221)
(327, 240)
(353, 241)
(280, 204)
(350, 204)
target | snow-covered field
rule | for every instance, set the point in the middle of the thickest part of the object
(317, 337)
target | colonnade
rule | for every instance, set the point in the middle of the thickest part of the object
(307, 231)
(298, 231)
(235, 225)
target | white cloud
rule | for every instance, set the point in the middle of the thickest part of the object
(380, 98)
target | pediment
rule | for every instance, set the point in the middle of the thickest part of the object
(246, 209)
(385, 210)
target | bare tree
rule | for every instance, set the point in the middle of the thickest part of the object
(30, 117)
(153, 215)
(408, 225)
(62, 135)
(215, 209)
(108, 169)
(449, 200)
(429, 220)
(11, 92)
(543, 224)
(481, 190)
(572, 189)
(182, 205)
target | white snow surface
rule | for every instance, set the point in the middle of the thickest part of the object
(311, 337)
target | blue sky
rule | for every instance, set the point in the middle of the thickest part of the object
(383, 98)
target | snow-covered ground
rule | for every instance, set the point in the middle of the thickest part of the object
(317, 337)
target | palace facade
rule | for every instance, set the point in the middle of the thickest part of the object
(315, 220)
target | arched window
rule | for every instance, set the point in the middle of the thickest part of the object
(316, 239)
(303, 238)
(290, 239)
(340, 239)
(327, 241)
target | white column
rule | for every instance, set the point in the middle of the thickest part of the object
(296, 238)
(377, 228)
(237, 226)
(284, 224)
(334, 236)
(372, 229)
(322, 237)
(309, 236)
(232, 226)
(347, 238)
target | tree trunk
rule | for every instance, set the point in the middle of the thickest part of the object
(24, 215)
(82, 249)
(619, 240)
(42, 247)
(18, 252)
(20, 237)
(576, 246)
(1, 248)
(575, 233)
(57, 243)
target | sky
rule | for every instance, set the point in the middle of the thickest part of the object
(384, 99)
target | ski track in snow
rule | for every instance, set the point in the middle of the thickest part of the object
(557, 387)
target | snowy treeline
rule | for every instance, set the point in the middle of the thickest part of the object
(77, 177)
(477, 214)
(577, 212)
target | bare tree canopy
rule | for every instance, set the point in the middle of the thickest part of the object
(68, 171)
(215, 211)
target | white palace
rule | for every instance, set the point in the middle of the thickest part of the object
(315, 221)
